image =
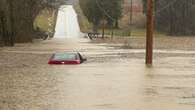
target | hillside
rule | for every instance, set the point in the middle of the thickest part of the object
(138, 17)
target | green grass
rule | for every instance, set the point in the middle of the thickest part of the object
(85, 26)
(42, 21)
(126, 33)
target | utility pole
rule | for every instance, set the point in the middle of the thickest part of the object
(149, 34)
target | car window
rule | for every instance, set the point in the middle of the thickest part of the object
(65, 57)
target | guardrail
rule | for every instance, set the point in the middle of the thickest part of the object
(92, 35)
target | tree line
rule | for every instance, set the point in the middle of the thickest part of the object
(174, 17)
(98, 11)
(17, 18)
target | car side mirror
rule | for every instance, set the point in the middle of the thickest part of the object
(84, 59)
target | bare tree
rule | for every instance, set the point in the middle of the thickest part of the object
(19, 17)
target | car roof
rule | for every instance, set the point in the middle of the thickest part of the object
(67, 53)
(65, 56)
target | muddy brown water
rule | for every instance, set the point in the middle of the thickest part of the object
(111, 79)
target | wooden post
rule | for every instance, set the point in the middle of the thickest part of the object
(149, 34)
(103, 28)
(131, 17)
(12, 32)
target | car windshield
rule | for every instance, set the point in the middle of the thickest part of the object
(65, 56)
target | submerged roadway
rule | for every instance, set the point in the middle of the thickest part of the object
(111, 79)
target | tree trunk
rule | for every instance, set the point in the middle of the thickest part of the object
(103, 28)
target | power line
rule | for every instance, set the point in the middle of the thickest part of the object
(105, 12)
(166, 6)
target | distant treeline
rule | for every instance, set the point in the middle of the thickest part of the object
(17, 18)
(98, 11)
(174, 17)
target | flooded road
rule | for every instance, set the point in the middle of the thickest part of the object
(67, 25)
(111, 79)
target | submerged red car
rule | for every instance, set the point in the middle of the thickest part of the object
(66, 59)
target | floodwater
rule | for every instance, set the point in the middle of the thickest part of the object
(111, 79)
(67, 25)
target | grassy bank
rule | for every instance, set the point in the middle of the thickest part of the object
(45, 21)
(127, 33)
(85, 26)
